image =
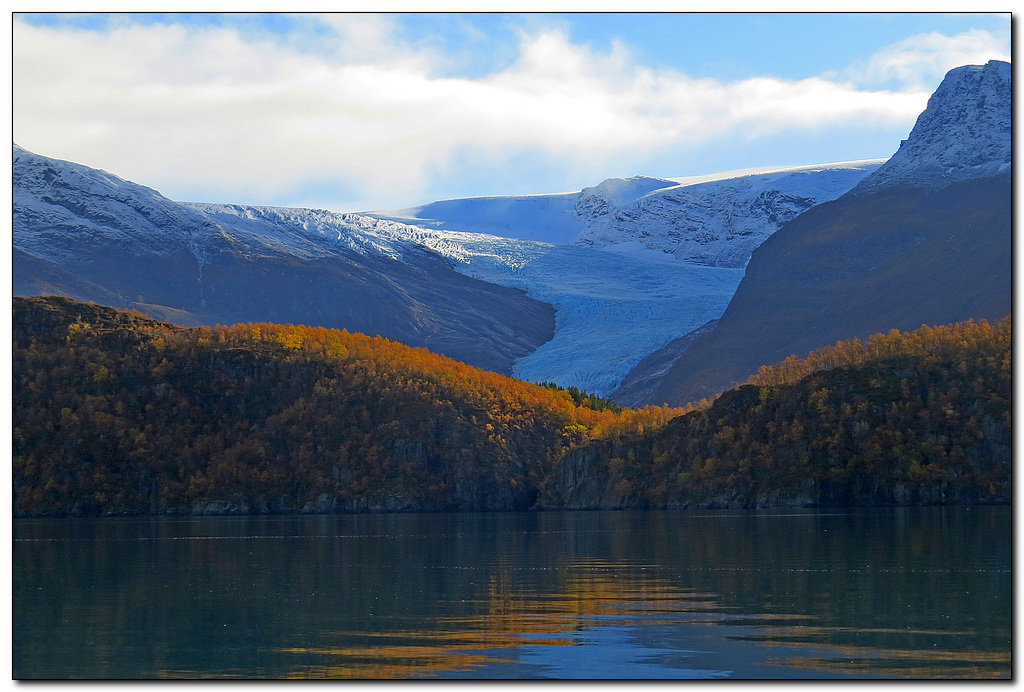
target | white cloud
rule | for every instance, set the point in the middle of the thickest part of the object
(920, 61)
(258, 119)
(581, 94)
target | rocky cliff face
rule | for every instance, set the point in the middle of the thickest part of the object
(582, 480)
(964, 133)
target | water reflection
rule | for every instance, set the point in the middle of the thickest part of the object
(892, 593)
(610, 609)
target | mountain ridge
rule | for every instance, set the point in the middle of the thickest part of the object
(964, 132)
(908, 246)
(94, 236)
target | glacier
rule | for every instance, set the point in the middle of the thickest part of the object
(612, 309)
(629, 265)
(612, 306)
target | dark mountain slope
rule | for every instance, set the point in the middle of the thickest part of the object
(925, 239)
(85, 234)
(643, 380)
(891, 259)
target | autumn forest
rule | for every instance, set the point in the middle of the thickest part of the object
(115, 413)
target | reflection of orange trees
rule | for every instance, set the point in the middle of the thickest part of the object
(616, 595)
(511, 618)
(389, 662)
(585, 596)
(909, 663)
(620, 591)
(126, 414)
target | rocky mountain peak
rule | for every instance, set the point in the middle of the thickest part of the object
(964, 133)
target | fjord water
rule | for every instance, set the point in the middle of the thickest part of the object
(883, 592)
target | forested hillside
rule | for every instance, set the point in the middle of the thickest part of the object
(117, 413)
(906, 418)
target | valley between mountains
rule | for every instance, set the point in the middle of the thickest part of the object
(751, 338)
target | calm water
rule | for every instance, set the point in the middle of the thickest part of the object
(686, 594)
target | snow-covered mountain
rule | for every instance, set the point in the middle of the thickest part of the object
(615, 302)
(964, 133)
(85, 233)
(925, 239)
(714, 220)
(629, 264)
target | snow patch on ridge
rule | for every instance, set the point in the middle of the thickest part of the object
(58, 205)
(713, 220)
(619, 192)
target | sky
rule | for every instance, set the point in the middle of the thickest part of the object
(360, 112)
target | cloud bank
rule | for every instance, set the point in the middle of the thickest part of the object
(349, 115)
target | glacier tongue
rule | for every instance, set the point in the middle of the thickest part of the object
(653, 259)
(629, 264)
(612, 309)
